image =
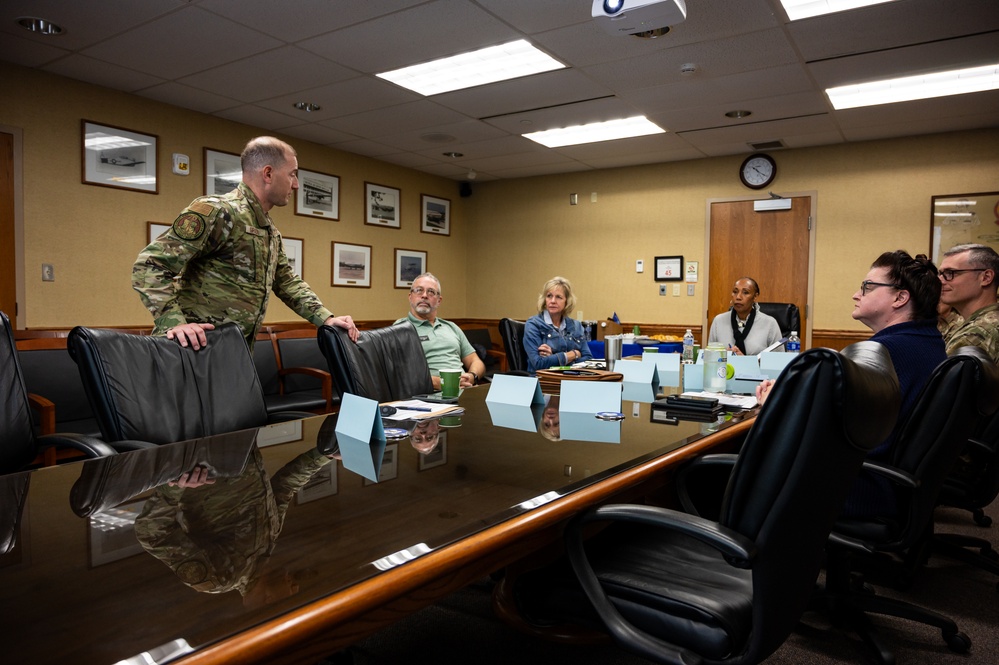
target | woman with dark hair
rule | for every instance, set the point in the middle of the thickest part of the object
(744, 329)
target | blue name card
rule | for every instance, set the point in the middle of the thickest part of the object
(747, 374)
(590, 397)
(639, 372)
(693, 375)
(515, 390)
(668, 366)
(773, 363)
(587, 427)
(515, 416)
(360, 435)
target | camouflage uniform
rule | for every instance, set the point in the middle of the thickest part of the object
(215, 537)
(981, 330)
(218, 263)
(949, 323)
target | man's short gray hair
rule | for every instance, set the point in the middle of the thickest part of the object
(982, 256)
(430, 275)
(264, 151)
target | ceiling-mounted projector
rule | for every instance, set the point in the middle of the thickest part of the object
(629, 17)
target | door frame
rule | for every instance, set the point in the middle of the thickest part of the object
(813, 195)
(19, 274)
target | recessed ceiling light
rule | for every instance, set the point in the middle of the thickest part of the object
(308, 107)
(453, 155)
(39, 25)
(799, 9)
(909, 88)
(488, 65)
(597, 131)
(741, 113)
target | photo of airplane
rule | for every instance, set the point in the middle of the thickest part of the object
(120, 160)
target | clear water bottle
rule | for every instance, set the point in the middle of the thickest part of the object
(589, 332)
(688, 347)
(793, 343)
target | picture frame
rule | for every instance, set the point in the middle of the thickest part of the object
(294, 249)
(409, 264)
(222, 172)
(154, 230)
(389, 470)
(318, 195)
(278, 433)
(351, 265)
(321, 485)
(435, 215)
(382, 205)
(118, 157)
(111, 534)
(437, 456)
(958, 219)
(669, 269)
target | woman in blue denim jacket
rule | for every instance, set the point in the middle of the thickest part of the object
(551, 338)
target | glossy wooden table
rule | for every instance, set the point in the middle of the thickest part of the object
(350, 557)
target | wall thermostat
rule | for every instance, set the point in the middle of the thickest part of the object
(181, 164)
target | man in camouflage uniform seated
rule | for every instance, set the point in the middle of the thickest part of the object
(223, 256)
(968, 284)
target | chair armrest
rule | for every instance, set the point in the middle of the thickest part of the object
(715, 461)
(46, 413)
(314, 372)
(500, 357)
(91, 447)
(901, 478)
(737, 549)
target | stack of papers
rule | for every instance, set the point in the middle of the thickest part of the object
(740, 401)
(414, 409)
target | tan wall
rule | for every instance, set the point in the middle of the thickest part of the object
(506, 240)
(871, 197)
(93, 234)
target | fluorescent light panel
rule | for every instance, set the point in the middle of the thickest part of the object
(799, 9)
(908, 88)
(488, 65)
(599, 131)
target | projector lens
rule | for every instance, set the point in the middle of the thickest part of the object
(613, 6)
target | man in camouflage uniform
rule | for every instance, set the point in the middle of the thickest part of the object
(968, 284)
(223, 256)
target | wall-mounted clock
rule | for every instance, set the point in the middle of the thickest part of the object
(758, 171)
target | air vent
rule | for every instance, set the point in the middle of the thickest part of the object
(767, 145)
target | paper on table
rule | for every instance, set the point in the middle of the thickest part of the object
(741, 401)
(421, 410)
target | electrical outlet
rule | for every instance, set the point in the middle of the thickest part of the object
(662, 289)
(573, 199)
(676, 289)
(48, 272)
(639, 265)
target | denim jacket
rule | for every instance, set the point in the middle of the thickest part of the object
(568, 337)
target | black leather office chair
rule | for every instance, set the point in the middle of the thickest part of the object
(20, 445)
(512, 332)
(677, 588)
(787, 315)
(957, 394)
(385, 364)
(147, 391)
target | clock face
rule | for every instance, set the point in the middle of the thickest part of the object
(758, 171)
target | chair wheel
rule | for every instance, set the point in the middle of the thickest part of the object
(989, 553)
(981, 519)
(958, 642)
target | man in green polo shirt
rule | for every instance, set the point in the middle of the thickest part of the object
(445, 346)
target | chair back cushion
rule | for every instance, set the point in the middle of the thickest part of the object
(17, 439)
(385, 364)
(50, 372)
(152, 389)
(512, 332)
(796, 466)
(787, 315)
(265, 362)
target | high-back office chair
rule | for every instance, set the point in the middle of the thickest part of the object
(385, 364)
(147, 391)
(677, 588)
(18, 443)
(959, 391)
(512, 332)
(787, 315)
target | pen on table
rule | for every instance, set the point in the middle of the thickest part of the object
(415, 408)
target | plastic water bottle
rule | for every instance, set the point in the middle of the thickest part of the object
(793, 343)
(688, 347)
(589, 332)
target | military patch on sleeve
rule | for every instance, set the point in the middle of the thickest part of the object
(189, 226)
(202, 208)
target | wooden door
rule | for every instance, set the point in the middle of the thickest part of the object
(771, 247)
(8, 274)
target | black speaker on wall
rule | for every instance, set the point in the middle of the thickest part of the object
(465, 189)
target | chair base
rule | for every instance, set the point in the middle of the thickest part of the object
(959, 547)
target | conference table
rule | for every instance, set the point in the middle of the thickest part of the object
(280, 553)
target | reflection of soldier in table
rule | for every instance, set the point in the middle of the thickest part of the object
(216, 533)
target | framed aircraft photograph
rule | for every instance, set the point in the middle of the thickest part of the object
(293, 249)
(222, 172)
(154, 230)
(318, 195)
(409, 264)
(351, 265)
(118, 157)
(381, 205)
(436, 215)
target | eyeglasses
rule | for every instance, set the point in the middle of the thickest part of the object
(419, 291)
(867, 285)
(947, 274)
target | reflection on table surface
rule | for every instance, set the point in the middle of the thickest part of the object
(202, 540)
